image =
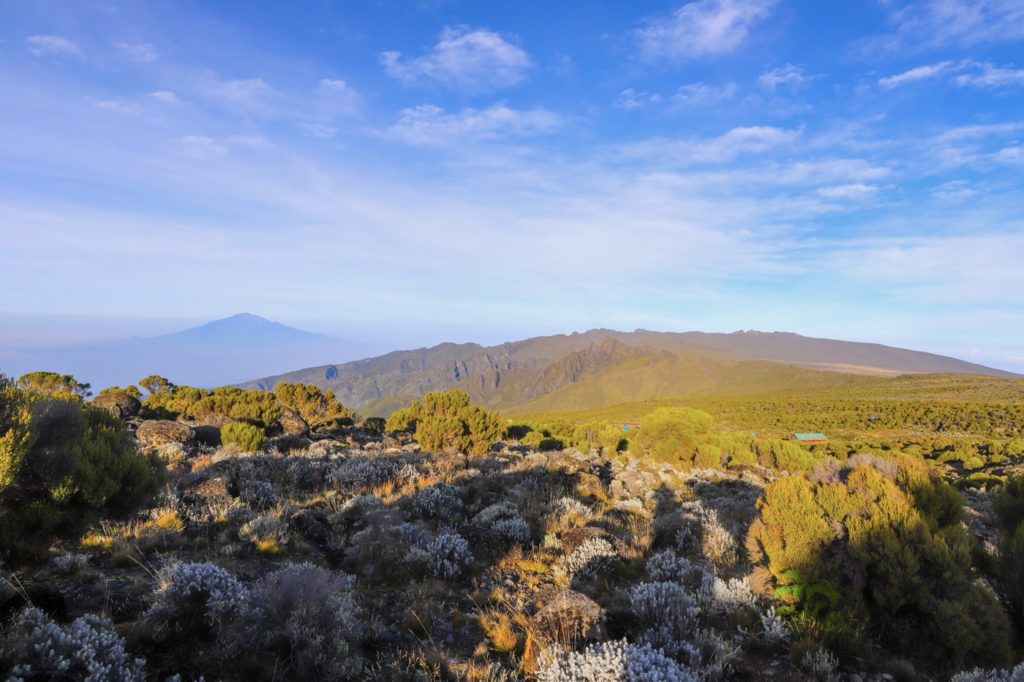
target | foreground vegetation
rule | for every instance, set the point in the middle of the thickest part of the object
(243, 534)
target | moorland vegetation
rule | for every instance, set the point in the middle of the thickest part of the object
(246, 534)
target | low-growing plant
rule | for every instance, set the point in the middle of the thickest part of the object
(247, 437)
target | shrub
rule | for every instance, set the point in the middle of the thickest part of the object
(512, 531)
(861, 552)
(307, 618)
(594, 557)
(15, 430)
(197, 599)
(246, 436)
(667, 617)
(447, 555)
(448, 422)
(614, 661)
(673, 434)
(439, 501)
(312, 404)
(87, 649)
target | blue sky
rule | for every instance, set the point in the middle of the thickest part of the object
(411, 172)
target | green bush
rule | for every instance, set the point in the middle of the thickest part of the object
(15, 430)
(246, 436)
(890, 539)
(78, 462)
(448, 421)
(673, 434)
(312, 404)
(53, 384)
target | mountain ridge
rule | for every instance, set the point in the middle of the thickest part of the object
(588, 369)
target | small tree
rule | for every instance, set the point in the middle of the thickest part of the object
(156, 385)
(448, 421)
(54, 384)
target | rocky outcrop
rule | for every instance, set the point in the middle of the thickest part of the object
(159, 432)
(121, 405)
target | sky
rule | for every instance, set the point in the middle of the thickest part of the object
(410, 172)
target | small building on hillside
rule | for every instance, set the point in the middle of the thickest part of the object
(809, 437)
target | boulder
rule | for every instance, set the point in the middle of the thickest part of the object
(206, 501)
(570, 616)
(292, 424)
(119, 404)
(158, 432)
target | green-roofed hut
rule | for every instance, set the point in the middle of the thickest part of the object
(810, 437)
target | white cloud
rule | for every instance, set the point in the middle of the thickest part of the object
(702, 94)
(317, 130)
(338, 96)
(241, 91)
(726, 147)
(852, 191)
(119, 107)
(427, 124)
(702, 28)
(630, 99)
(783, 75)
(466, 58)
(205, 147)
(992, 77)
(934, 23)
(139, 52)
(954, 190)
(916, 74)
(50, 44)
(165, 96)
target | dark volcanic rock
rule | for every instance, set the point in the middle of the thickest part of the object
(121, 405)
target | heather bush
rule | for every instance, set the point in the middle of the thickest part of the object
(87, 649)
(247, 437)
(307, 619)
(667, 618)
(613, 661)
(447, 555)
(439, 501)
(512, 531)
(199, 600)
(590, 559)
(673, 434)
(54, 385)
(978, 675)
(449, 422)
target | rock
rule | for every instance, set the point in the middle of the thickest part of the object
(206, 501)
(312, 525)
(589, 485)
(536, 459)
(206, 434)
(292, 424)
(118, 403)
(569, 616)
(158, 432)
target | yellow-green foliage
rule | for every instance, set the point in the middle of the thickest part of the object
(256, 407)
(15, 430)
(312, 404)
(246, 436)
(887, 535)
(78, 461)
(448, 421)
(53, 384)
(131, 390)
(783, 455)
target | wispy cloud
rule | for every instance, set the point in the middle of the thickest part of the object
(702, 28)
(139, 52)
(165, 96)
(935, 23)
(991, 76)
(703, 94)
(852, 191)
(337, 96)
(431, 125)
(241, 91)
(51, 44)
(465, 58)
(918, 73)
(733, 143)
(783, 75)
(631, 98)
